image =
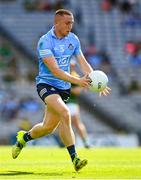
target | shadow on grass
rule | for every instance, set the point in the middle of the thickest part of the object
(9, 173)
(12, 173)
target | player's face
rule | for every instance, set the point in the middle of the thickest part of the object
(65, 25)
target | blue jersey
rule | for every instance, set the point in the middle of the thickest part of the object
(62, 50)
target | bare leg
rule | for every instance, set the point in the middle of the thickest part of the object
(56, 110)
(66, 133)
(49, 124)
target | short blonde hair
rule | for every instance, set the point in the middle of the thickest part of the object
(62, 12)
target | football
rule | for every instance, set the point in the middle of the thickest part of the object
(99, 80)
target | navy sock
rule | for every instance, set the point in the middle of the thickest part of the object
(72, 151)
(27, 137)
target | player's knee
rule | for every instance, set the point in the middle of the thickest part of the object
(66, 116)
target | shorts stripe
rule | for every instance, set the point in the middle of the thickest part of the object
(43, 91)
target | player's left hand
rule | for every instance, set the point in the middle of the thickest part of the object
(105, 92)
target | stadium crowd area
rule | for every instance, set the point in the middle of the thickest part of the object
(109, 31)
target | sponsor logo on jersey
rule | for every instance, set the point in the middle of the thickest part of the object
(63, 60)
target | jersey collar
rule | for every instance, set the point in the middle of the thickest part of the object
(52, 33)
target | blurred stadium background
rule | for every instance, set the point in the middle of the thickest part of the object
(110, 34)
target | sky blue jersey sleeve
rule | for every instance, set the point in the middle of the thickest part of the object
(78, 47)
(44, 48)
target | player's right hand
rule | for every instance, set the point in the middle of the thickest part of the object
(84, 81)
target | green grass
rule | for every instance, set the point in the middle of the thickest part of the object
(54, 163)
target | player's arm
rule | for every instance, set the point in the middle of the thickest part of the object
(85, 66)
(50, 62)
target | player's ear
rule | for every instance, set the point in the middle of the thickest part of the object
(55, 21)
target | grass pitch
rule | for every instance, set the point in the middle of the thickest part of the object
(54, 163)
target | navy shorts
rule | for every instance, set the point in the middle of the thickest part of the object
(45, 90)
